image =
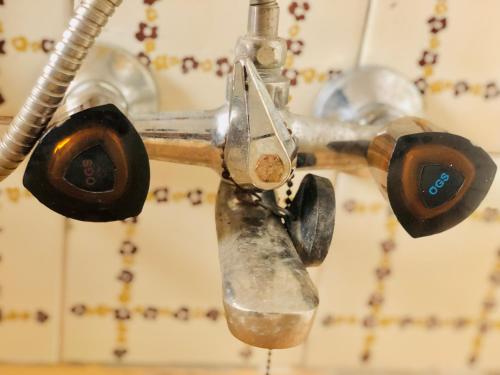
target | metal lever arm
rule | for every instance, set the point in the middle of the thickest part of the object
(259, 150)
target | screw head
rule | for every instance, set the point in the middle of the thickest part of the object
(266, 56)
(270, 168)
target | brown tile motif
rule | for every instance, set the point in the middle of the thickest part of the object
(430, 322)
(148, 32)
(375, 319)
(124, 310)
(429, 58)
(352, 206)
(159, 195)
(487, 215)
(299, 11)
(485, 323)
(377, 298)
(22, 44)
(10, 315)
(246, 353)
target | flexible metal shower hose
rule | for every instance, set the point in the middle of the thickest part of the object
(48, 93)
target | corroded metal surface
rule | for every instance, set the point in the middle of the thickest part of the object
(269, 298)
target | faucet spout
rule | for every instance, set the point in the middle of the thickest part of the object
(269, 298)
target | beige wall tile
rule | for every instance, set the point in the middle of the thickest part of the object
(26, 36)
(174, 295)
(31, 252)
(331, 33)
(433, 282)
(435, 308)
(346, 277)
(31, 239)
(398, 34)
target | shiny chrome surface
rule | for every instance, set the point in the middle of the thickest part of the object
(269, 298)
(263, 18)
(48, 93)
(194, 138)
(369, 95)
(259, 151)
(198, 137)
(112, 75)
(330, 143)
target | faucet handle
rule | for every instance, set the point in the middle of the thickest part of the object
(92, 167)
(259, 152)
(433, 180)
(312, 219)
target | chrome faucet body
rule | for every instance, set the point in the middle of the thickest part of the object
(255, 143)
(269, 298)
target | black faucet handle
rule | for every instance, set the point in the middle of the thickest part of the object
(433, 180)
(312, 219)
(93, 167)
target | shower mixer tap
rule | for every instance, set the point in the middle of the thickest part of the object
(364, 121)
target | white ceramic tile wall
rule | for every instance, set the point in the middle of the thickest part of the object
(31, 254)
(346, 276)
(460, 75)
(390, 301)
(31, 237)
(427, 296)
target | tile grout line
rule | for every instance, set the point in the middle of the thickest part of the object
(378, 296)
(364, 34)
(430, 57)
(63, 287)
(487, 308)
(63, 278)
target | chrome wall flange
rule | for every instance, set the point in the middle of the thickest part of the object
(113, 75)
(369, 95)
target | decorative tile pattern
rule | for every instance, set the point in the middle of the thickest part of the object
(156, 295)
(458, 82)
(148, 291)
(427, 293)
(202, 58)
(24, 46)
(32, 238)
(30, 277)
